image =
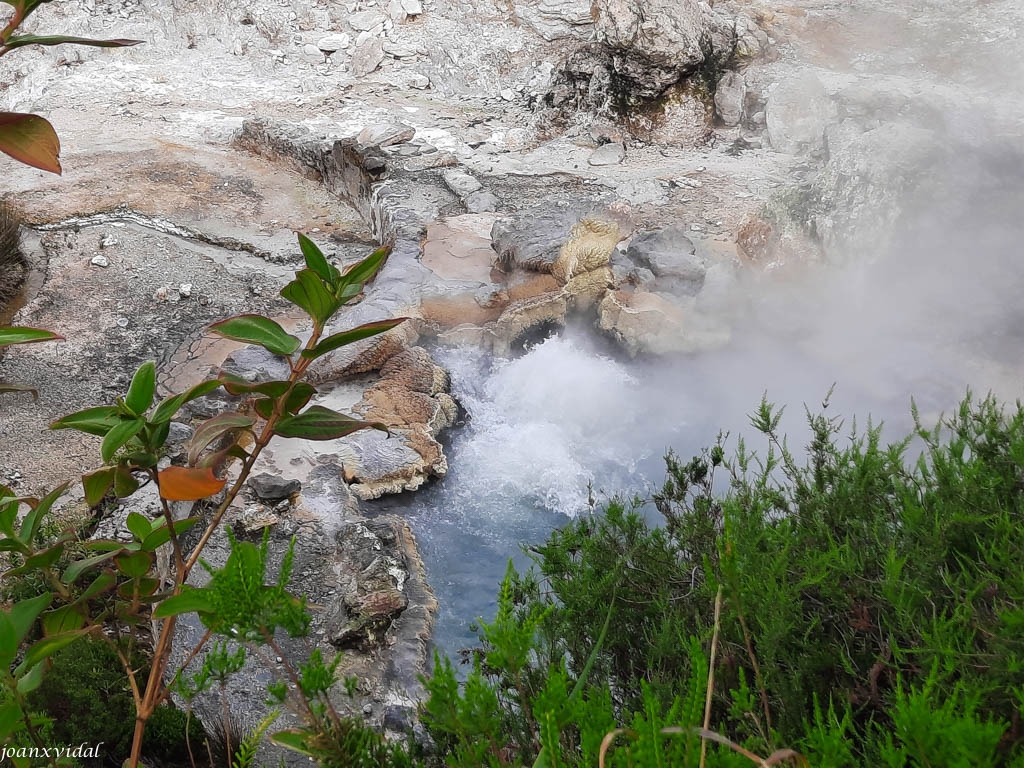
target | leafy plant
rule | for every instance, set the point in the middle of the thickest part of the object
(110, 590)
(30, 139)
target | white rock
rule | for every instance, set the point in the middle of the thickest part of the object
(367, 57)
(461, 183)
(507, 94)
(608, 154)
(798, 111)
(108, 240)
(185, 289)
(396, 11)
(729, 96)
(333, 43)
(399, 50)
(366, 20)
(412, 7)
(99, 260)
(420, 82)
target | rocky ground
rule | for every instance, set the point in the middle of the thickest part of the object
(632, 163)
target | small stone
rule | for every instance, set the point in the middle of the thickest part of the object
(729, 96)
(396, 11)
(507, 94)
(178, 433)
(272, 487)
(366, 20)
(108, 241)
(367, 709)
(366, 57)
(608, 154)
(400, 50)
(420, 82)
(461, 183)
(386, 134)
(481, 202)
(333, 43)
(99, 260)
(161, 293)
(311, 51)
(122, 322)
(185, 289)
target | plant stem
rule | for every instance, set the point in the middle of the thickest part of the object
(711, 676)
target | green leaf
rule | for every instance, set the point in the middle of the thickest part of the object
(139, 525)
(141, 391)
(67, 618)
(118, 436)
(141, 459)
(166, 410)
(293, 739)
(211, 429)
(162, 534)
(31, 679)
(319, 423)
(48, 646)
(31, 140)
(256, 329)
(30, 525)
(138, 588)
(99, 585)
(308, 291)
(134, 565)
(337, 340)
(10, 718)
(365, 269)
(189, 601)
(297, 399)
(39, 560)
(94, 421)
(77, 568)
(96, 485)
(315, 261)
(23, 614)
(125, 483)
(236, 385)
(18, 41)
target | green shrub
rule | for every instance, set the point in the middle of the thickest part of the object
(872, 602)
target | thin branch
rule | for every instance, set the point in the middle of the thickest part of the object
(711, 676)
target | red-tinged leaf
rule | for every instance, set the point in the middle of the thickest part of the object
(67, 618)
(211, 429)
(125, 483)
(96, 485)
(256, 329)
(31, 140)
(166, 410)
(94, 421)
(18, 41)
(361, 272)
(337, 340)
(22, 335)
(319, 423)
(188, 484)
(236, 385)
(19, 388)
(297, 399)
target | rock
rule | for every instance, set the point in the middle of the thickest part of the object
(646, 323)
(333, 43)
(385, 134)
(481, 201)
(99, 260)
(589, 247)
(364, 21)
(533, 239)
(797, 112)
(461, 183)
(396, 11)
(729, 96)
(672, 259)
(420, 82)
(412, 7)
(272, 487)
(556, 19)
(185, 290)
(366, 57)
(400, 50)
(507, 94)
(458, 248)
(655, 43)
(608, 154)
(526, 314)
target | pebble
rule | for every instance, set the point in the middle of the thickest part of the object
(420, 82)
(333, 43)
(185, 289)
(99, 260)
(122, 322)
(608, 154)
(108, 241)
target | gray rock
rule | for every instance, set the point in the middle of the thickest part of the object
(273, 488)
(365, 20)
(533, 238)
(671, 256)
(99, 260)
(608, 154)
(386, 134)
(366, 57)
(798, 111)
(729, 98)
(655, 43)
(481, 201)
(461, 183)
(556, 19)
